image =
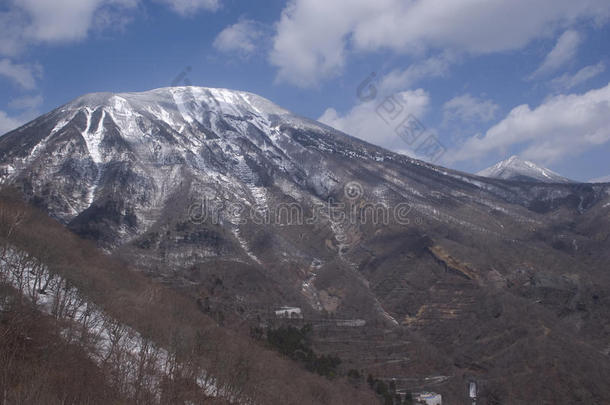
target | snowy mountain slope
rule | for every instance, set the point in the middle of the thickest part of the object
(515, 168)
(147, 147)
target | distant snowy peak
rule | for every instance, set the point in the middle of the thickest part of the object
(515, 168)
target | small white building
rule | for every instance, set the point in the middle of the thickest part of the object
(351, 323)
(288, 312)
(429, 398)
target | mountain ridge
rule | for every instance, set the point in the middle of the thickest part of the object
(515, 168)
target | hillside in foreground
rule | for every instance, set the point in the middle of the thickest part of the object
(80, 327)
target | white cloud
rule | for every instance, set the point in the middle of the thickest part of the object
(241, 37)
(65, 20)
(376, 121)
(564, 51)
(108, 18)
(314, 37)
(24, 75)
(26, 102)
(436, 66)
(8, 123)
(26, 22)
(568, 81)
(467, 109)
(57, 21)
(11, 31)
(564, 125)
(310, 38)
(189, 7)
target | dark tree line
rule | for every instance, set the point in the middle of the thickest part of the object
(295, 343)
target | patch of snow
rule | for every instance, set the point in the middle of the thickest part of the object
(244, 245)
(94, 140)
(54, 296)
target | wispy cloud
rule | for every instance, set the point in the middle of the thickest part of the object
(564, 51)
(189, 7)
(24, 75)
(26, 102)
(468, 109)
(435, 66)
(8, 123)
(568, 81)
(242, 38)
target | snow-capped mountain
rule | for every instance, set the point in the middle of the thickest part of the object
(235, 199)
(515, 168)
(151, 144)
(123, 168)
(183, 174)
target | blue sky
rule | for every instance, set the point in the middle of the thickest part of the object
(487, 79)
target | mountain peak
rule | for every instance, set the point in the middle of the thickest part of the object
(170, 138)
(184, 97)
(515, 168)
